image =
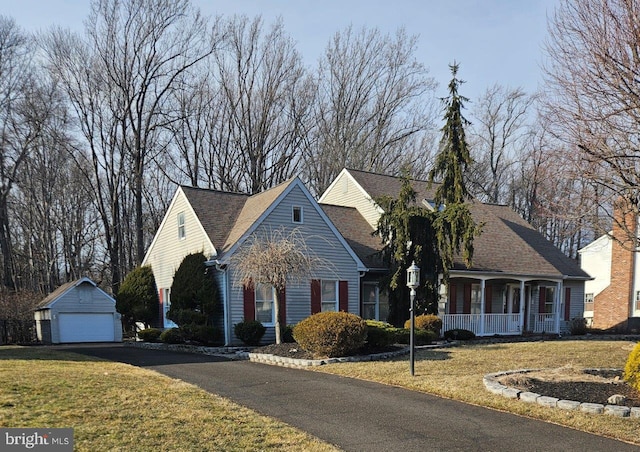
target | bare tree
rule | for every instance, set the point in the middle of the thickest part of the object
(276, 258)
(498, 138)
(374, 103)
(264, 102)
(592, 78)
(15, 139)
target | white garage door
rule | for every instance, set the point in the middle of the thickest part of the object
(86, 327)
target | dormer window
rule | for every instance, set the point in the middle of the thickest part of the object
(182, 232)
(296, 215)
(431, 205)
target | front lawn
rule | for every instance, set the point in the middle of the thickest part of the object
(456, 373)
(113, 406)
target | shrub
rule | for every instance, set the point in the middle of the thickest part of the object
(137, 298)
(286, 334)
(422, 337)
(250, 332)
(203, 334)
(578, 326)
(150, 334)
(172, 336)
(632, 368)
(426, 322)
(459, 334)
(331, 333)
(380, 334)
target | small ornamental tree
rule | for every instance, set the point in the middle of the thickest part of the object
(275, 258)
(137, 298)
(194, 294)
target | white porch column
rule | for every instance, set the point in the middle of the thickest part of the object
(482, 301)
(558, 307)
(522, 298)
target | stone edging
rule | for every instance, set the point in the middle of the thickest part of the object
(238, 353)
(297, 363)
(492, 384)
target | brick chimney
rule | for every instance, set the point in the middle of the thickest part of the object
(611, 307)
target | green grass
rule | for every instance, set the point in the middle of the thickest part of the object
(113, 406)
(457, 372)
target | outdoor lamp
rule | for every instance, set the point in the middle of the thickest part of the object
(413, 281)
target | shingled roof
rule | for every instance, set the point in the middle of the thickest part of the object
(508, 244)
(226, 216)
(377, 185)
(358, 234)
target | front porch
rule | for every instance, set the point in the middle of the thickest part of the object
(495, 305)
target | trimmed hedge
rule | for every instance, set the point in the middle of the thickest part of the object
(459, 334)
(150, 334)
(380, 334)
(422, 337)
(632, 368)
(426, 322)
(331, 334)
(172, 336)
(250, 332)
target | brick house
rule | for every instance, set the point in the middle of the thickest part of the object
(612, 298)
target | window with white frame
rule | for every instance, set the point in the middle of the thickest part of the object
(476, 298)
(637, 300)
(370, 301)
(588, 302)
(264, 304)
(549, 298)
(329, 296)
(166, 305)
(297, 214)
(182, 232)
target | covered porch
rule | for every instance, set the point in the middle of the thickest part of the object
(492, 305)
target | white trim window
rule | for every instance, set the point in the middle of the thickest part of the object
(297, 215)
(476, 299)
(166, 305)
(182, 231)
(637, 303)
(265, 295)
(329, 296)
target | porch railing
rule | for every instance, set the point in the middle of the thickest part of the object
(544, 323)
(493, 323)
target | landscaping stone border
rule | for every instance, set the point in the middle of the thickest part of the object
(238, 353)
(492, 384)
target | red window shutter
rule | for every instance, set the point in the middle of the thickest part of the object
(466, 309)
(488, 295)
(542, 300)
(161, 309)
(282, 297)
(249, 298)
(316, 304)
(567, 303)
(343, 296)
(453, 299)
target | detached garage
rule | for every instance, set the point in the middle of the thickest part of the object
(78, 311)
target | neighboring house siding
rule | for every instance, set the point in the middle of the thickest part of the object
(595, 259)
(168, 250)
(324, 244)
(345, 192)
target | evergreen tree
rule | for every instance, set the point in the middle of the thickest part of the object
(194, 295)
(409, 236)
(454, 225)
(137, 299)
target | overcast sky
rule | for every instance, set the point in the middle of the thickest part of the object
(495, 41)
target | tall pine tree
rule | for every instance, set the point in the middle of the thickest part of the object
(454, 226)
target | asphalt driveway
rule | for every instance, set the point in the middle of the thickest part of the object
(358, 415)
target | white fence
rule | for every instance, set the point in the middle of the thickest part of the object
(507, 324)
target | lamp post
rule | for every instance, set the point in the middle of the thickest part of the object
(413, 281)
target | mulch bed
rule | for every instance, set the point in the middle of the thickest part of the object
(580, 391)
(293, 350)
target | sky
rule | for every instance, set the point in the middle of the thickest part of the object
(494, 41)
